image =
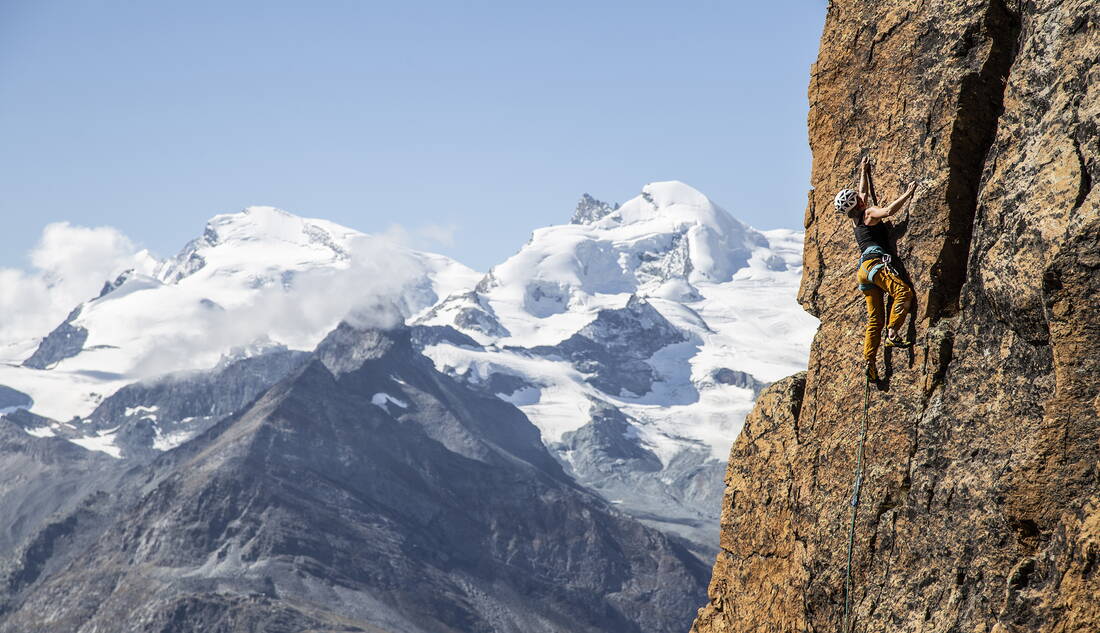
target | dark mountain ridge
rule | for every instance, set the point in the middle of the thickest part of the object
(364, 492)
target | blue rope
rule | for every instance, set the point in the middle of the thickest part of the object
(856, 487)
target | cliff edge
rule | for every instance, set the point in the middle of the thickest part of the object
(981, 497)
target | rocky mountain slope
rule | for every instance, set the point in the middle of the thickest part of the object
(365, 492)
(981, 500)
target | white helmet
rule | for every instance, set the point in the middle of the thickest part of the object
(846, 200)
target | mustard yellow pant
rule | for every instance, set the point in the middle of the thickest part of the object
(888, 283)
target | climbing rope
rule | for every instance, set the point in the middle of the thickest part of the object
(858, 483)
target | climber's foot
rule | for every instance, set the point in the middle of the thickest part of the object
(897, 341)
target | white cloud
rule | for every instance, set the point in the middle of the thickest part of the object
(69, 265)
(383, 284)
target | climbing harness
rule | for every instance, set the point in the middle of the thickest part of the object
(856, 486)
(872, 252)
(880, 259)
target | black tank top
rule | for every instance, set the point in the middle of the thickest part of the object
(876, 235)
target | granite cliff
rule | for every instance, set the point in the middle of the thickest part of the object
(981, 499)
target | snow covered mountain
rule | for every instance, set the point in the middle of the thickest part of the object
(636, 338)
(255, 280)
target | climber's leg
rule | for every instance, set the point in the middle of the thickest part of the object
(875, 315)
(873, 334)
(902, 298)
(872, 294)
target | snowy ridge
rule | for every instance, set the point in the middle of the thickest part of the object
(253, 280)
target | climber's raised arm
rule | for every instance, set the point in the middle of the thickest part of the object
(879, 213)
(864, 178)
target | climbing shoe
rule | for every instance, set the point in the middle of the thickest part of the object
(872, 372)
(897, 341)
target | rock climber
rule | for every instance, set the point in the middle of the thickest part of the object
(875, 275)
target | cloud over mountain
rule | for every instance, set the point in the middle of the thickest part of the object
(68, 266)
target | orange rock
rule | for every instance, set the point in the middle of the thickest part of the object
(981, 498)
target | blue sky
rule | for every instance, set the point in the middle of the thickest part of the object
(486, 118)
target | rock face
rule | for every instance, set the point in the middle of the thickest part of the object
(65, 341)
(613, 349)
(147, 417)
(12, 399)
(981, 499)
(590, 210)
(42, 476)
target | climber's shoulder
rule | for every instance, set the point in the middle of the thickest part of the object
(874, 215)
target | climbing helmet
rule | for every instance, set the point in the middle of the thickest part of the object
(845, 200)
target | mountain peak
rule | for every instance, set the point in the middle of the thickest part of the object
(261, 236)
(590, 210)
(667, 193)
(270, 224)
(346, 348)
(669, 199)
(677, 202)
(669, 234)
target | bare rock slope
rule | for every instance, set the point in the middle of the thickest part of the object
(363, 492)
(981, 500)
